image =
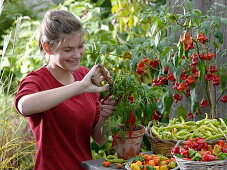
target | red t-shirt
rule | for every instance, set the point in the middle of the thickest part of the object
(62, 133)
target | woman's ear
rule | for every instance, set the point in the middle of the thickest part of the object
(47, 48)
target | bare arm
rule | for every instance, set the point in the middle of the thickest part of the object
(45, 100)
(107, 110)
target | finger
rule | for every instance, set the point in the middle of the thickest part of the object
(110, 102)
(103, 88)
(94, 81)
(109, 107)
(109, 112)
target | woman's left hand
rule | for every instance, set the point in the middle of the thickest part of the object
(107, 108)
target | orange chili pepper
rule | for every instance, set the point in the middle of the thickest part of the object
(106, 163)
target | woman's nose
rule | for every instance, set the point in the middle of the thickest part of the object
(76, 53)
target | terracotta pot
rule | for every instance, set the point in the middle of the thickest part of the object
(128, 147)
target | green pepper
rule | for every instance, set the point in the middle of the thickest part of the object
(149, 167)
(155, 132)
(223, 123)
(182, 133)
(220, 130)
(191, 152)
(197, 157)
(222, 156)
(214, 137)
(217, 149)
(172, 164)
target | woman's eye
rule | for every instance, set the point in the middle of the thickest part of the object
(67, 50)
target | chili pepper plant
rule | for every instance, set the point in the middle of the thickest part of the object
(188, 68)
(132, 98)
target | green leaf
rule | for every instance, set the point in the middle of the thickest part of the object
(118, 50)
(202, 70)
(157, 38)
(194, 103)
(165, 51)
(215, 45)
(188, 5)
(153, 28)
(103, 49)
(223, 20)
(223, 81)
(181, 112)
(198, 12)
(219, 36)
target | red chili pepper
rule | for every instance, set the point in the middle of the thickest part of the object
(224, 99)
(184, 152)
(190, 115)
(204, 103)
(212, 69)
(201, 38)
(222, 144)
(114, 140)
(105, 98)
(170, 76)
(209, 157)
(156, 116)
(131, 98)
(224, 150)
(175, 150)
(177, 97)
(154, 63)
(131, 120)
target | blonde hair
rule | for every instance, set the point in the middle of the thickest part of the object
(56, 25)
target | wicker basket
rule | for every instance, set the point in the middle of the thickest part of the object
(198, 165)
(159, 146)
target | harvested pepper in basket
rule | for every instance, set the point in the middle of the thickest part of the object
(198, 150)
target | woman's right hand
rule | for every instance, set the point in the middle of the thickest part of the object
(92, 86)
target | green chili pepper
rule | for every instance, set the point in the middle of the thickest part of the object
(197, 157)
(220, 130)
(172, 164)
(214, 137)
(222, 156)
(181, 133)
(223, 123)
(155, 132)
(191, 152)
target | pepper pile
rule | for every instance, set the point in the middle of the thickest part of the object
(199, 150)
(113, 160)
(178, 129)
(152, 162)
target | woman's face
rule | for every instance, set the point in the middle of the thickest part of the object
(67, 56)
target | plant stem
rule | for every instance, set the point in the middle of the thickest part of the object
(212, 99)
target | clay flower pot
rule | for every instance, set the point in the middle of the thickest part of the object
(128, 147)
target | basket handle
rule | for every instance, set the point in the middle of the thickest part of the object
(178, 142)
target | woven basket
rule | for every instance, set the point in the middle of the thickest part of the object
(199, 165)
(160, 146)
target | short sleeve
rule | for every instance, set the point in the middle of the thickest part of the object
(28, 85)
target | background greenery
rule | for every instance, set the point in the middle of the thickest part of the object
(120, 34)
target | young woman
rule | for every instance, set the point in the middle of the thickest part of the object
(60, 100)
